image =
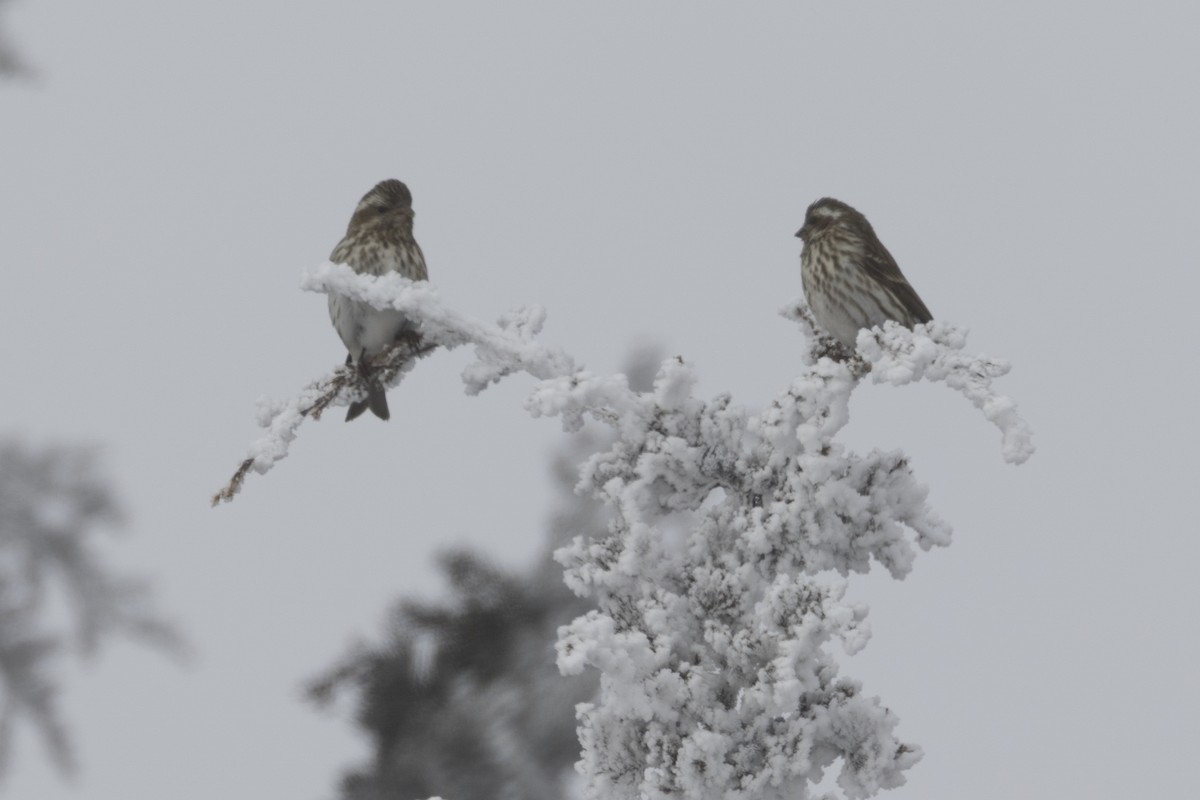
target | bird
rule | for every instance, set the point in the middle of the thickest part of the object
(850, 279)
(378, 240)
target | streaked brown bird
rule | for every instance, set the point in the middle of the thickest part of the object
(378, 240)
(850, 279)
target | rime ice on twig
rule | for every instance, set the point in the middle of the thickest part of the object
(501, 349)
(897, 355)
(506, 347)
(821, 344)
(283, 419)
(932, 352)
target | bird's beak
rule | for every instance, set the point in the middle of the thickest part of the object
(802, 233)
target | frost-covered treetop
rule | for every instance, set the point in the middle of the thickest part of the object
(710, 631)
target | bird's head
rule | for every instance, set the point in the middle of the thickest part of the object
(387, 201)
(823, 215)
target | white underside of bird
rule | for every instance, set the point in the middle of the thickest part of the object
(365, 330)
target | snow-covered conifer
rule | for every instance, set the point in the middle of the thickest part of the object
(715, 612)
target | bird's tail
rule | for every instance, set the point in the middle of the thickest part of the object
(376, 401)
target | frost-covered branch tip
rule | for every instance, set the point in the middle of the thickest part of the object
(897, 355)
(933, 352)
(504, 348)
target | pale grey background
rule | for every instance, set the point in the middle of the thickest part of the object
(639, 169)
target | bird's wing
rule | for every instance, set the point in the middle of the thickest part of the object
(879, 264)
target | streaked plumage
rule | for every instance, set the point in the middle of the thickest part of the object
(850, 279)
(378, 240)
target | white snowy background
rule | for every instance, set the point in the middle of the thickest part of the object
(639, 170)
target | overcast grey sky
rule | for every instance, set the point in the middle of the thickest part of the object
(639, 169)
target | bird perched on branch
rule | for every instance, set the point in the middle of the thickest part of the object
(850, 279)
(378, 240)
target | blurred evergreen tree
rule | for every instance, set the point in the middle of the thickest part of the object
(462, 698)
(53, 503)
(10, 62)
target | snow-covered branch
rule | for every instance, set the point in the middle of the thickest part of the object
(714, 604)
(500, 349)
(897, 357)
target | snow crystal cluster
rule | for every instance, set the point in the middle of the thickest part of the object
(715, 611)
